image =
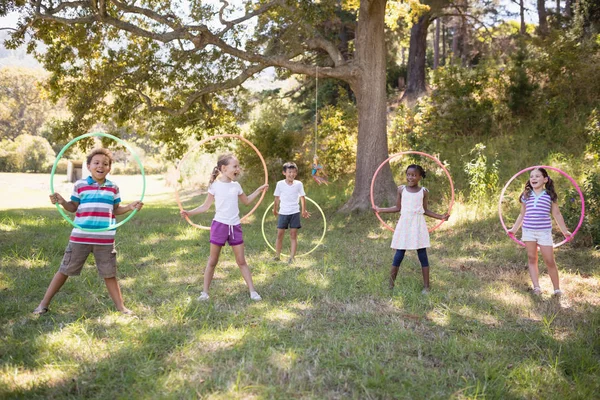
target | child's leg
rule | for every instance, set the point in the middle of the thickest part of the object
(57, 282)
(398, 257)
(115, 294)
(293, 242)
(209, 271)
(279, 242)
(422, 254)
(548, 256)
(532, 263)
(240, 259)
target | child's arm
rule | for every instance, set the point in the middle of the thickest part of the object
(431, 213)
(200, 209)
(560, 220)
(519, 220)
(70, 206)
(276, 206)
(119, 209)
(305, 213)
(392, 209)
(249, 199)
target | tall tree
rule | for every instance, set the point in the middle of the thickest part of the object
(542, 17)
(121, 60)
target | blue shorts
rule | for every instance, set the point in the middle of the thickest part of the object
(289, 221)
(222, 233)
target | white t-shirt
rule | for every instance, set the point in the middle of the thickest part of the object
(226, 201)
(289, 196)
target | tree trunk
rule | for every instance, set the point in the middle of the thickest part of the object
(416, 85)
(436, 44)
(557, 7)
(522, 13)
(369, 88)
(444, 36)
(568, 9)
(543, 23)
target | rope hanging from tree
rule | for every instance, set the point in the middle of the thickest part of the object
(317, 171)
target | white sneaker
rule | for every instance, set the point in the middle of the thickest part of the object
(558, 292)
(203, 296)
(255, 296)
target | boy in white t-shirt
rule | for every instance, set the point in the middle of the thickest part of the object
(287, 193)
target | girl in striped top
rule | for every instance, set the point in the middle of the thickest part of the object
(538, 204)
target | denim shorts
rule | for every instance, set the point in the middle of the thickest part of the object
(222, 233)
(543, 237)
(77, 253)
(289, 221)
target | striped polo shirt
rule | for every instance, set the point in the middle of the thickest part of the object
(537, 211)
(95, 210)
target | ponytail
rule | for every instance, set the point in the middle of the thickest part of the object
(223, 160)
(213, 175)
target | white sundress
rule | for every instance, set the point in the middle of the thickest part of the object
(411, 230)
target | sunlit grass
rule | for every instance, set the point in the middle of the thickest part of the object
(328, 326)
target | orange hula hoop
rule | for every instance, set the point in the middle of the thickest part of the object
(438, 162)
(200, 143)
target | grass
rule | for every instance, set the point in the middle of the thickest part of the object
(328, 326)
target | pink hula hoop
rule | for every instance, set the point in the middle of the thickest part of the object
(200, 143)
(512, 236)
(438, 162)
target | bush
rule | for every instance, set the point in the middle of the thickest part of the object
(26, 153)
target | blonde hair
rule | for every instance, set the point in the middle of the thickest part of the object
(223, 159)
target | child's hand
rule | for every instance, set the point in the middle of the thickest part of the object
(275, 213)
(511, 231)
(445, 217)
(57, 198)
(136, 205)
(263, 187)
(376, 209)
(567, 234)
(184, 214)
(306, 214)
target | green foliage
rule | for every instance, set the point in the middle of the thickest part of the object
(27, 153)
(483, 175)
(521, 89)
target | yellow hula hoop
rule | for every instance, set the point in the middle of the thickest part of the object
(297, 255)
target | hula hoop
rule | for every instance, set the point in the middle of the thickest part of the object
(297, 255)
(61, 211)
(200, 143)
(573, 182)
(438, 162)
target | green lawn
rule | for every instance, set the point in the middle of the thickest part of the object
(328, 326)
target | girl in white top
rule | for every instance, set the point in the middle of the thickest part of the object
(226, 227)
(411, 230)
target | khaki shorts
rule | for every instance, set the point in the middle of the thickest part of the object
(77, 253)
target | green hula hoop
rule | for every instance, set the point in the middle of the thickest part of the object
(297, 255)
(58, 157)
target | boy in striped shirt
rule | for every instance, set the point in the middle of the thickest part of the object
(95, 201)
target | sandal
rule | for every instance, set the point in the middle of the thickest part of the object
(40, 311)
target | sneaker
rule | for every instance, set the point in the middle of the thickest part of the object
(203, 296)
(558, 292)
(291, 261)
(276, 258)
(255, 296)
(537, 291)
(425, 291)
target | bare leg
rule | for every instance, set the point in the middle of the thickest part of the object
(293, 243)
(393, 275)
(532, 263)
(56, 283)
(115, 294)
(240, 259)
(425, 271)
(548, 256)
(209, 272)
(279, 242)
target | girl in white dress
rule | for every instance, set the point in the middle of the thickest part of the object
(411, 230)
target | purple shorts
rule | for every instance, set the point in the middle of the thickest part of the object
(223, 233)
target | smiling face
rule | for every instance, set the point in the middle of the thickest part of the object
(99, 167)
(231, 171)
(290, 174)
(413, 176)
(537, 180)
